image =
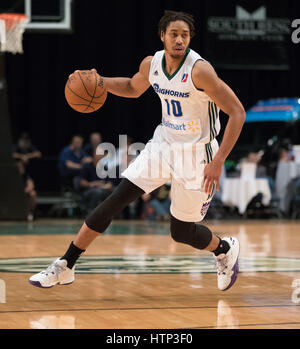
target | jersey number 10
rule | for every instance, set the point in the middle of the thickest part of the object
(176, 107)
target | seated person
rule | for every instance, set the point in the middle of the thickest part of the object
(255, 158)
(285, 155)
(25, 151)
(95, 140)
(157, 204)
(28, 189)
(94, 190)
(72, 158)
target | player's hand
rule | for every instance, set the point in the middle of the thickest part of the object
(77, 71)
(212, 173)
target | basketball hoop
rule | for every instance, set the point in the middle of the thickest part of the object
(12, 26)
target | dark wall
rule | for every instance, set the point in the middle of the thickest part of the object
(114, 36)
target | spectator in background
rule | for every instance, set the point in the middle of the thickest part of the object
(285, 155)
(286, 177)
(93, 189)
(115, 165)
(122, 155)
(72, 159)
(255, 158)
(157, 204)
(28, 189)
(95, 140)
(25, 151)
(120, 161)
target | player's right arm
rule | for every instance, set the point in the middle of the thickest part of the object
(131, 87)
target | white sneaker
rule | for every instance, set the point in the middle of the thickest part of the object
(227, 265)
(56, 273)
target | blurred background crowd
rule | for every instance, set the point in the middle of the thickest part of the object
(263, 183)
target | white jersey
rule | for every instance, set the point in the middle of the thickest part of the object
(188, 114)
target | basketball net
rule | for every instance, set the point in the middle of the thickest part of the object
(12, 27)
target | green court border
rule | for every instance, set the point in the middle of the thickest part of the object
(146, 228)
(123, 257)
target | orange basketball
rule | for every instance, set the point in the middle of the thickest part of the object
(85, 91)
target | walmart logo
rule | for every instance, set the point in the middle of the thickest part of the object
(174, 126)
(150, 264)
(193, 126)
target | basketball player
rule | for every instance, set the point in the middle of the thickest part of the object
(191, 94)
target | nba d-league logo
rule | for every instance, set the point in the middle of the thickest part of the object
(2, 291)
(296, 33)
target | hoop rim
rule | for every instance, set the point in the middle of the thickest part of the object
(8, 17)
(11, 34)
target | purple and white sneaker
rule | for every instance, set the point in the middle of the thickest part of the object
(56, 273)
(227, 264)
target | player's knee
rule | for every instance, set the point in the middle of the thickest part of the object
(177, 235)
(196, 235)
(180, 230)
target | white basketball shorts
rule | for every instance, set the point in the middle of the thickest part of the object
(183, 164)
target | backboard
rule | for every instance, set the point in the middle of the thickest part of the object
(44, 15)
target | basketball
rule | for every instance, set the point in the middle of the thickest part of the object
(85, 91)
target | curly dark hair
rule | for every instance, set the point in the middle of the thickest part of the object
(172, 16)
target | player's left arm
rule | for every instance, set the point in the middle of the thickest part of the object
(205, 78)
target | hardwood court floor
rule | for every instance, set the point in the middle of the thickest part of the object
(135, 276)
